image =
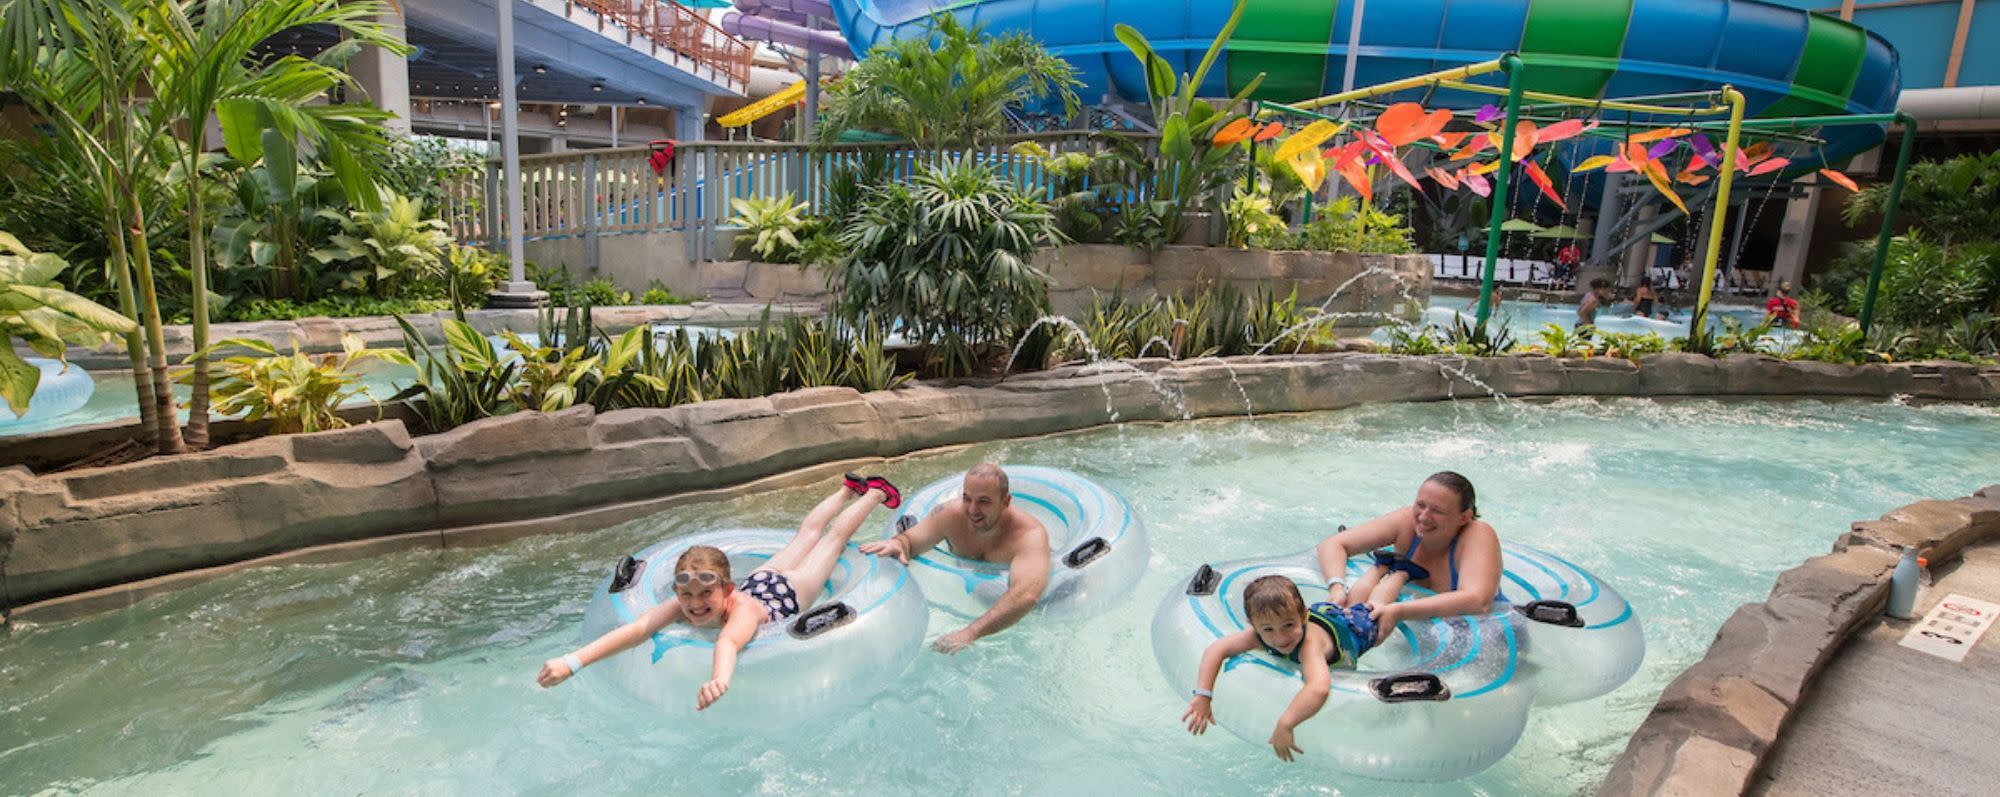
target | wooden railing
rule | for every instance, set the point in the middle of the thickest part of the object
(616, 191)
(677, 28)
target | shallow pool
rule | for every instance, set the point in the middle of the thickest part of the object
(1525, 319)
(413, 673)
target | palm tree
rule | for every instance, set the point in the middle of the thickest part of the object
(80, 67)
(205, 63)
(955, 93)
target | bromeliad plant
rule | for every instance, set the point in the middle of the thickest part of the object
(296, 392)
(776, 226)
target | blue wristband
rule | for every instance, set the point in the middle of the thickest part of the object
(575, 664)
(1200, 692)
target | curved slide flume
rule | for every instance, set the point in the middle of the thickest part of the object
(1787, 61)
(782, 22)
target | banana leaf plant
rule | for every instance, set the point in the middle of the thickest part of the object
(1189, 166)
(36, 310)
(283, 212)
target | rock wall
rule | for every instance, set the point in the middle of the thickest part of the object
(67, 537)
(1715, 723)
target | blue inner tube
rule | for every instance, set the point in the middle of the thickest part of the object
(61, 391)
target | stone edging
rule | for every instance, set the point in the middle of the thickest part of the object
(320, 334)
(64, 534)
(1714, 725)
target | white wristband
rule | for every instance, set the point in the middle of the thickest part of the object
(1200, 692)
(575, 664)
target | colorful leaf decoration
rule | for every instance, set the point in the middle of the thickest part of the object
(1477, 145)
(1594, 163)
(1704, 149)
(1401, 123)
(1387, 152)
(1662, 149)
(1448, 141)
(1759, 151)
(1657, 174)
(1770, 166)
(1840, 179)
(1541, 180)
(1269, 132)
(1347, 153)
(1360, 179)
(1488, 167)
(1487, 113)
(1310, 168)
(1443, 178)
(1651, 136)
(1234, 132)
(1692, 177)
(1307, 140)
(1562, 131)
(1478, 184)
(1524, 139)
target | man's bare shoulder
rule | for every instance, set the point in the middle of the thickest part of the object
(1025, 533)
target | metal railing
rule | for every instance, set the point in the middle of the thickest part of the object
(678, 28)
(616, 191)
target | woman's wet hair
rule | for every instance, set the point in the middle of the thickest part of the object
(1450, 480)
(1273, 595)
(704, 557)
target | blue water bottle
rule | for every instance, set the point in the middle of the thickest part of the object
(1903, 586)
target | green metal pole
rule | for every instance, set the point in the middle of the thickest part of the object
(1512, 65)
(1725, 176)
(1889, 218)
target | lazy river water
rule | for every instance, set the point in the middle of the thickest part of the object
(413, 673)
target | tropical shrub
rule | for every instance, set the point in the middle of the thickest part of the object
(395, 246)
(954, 87)
(296, 392)
(658, 293)
(1926, 284)
(458, 383)
(948, 257)
(1078, 181)
(428, 169)
(1251, 221)
(1347, 225)
(35, 310)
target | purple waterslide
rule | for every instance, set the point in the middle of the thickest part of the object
(763, 29)
(803, 8)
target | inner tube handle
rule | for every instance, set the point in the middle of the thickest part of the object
(1407, 687)
(625, 573)
(822, 619)
(906, 522)
(1204, 581)
(1088, 551)
(1559, 613)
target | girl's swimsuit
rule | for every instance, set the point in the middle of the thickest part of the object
(1643, 307)
(772, 589)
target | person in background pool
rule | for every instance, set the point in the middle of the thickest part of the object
(982, 524)
(1444, 547)
(706, 596)
(1643, 299)
(1317, 638)
(1586, 310)
(1782, 308)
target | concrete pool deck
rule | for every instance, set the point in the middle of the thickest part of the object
(1886, 719)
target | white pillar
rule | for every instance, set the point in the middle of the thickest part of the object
(1795, 235)
(516, 291)
(385, 76)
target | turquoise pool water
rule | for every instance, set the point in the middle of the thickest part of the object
(413, 673)
(1525, 319)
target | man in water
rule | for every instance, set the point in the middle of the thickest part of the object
(982, 524)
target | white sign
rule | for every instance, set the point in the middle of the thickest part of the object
(1952, 627)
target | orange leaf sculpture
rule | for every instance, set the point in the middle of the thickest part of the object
(1541, 179)
(1488, 167)
(1269, 132)
(1234, 132)
(1562, 131)
(1449, 141)
(1360, 179)
(1399, 124)
(1691, 177)
(1389, 158)
(1840, 179)
(1524, 139)
(1657, 174)
(1661, 134)
(1477, 145)
(1443, 178)
(1770, 166)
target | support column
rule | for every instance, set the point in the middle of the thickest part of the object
(516, 290)
(385, 76)
(687, 123)
(1609, 209)
(1795, 235)
(1639, 257)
